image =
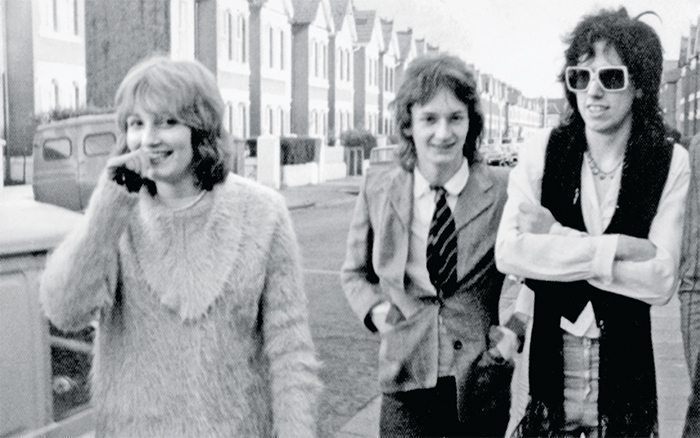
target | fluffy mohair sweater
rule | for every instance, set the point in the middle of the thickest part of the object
(203, 325)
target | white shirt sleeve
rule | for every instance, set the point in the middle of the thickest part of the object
(656, 280)
(569, 255)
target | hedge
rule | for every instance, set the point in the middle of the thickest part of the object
(298, 150)
(359, 138)
(293, 150)
(252, 146)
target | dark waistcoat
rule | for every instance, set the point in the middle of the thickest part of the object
(627, 403)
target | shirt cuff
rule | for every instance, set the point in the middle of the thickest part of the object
(508, 344)
(602, 263)
(557, 229)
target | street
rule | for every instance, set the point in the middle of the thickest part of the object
(347, 350)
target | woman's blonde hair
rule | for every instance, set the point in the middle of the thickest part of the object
(188, 92)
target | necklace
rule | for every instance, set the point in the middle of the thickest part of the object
(179, 204)
(596, 171)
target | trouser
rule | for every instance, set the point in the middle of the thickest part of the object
(690, 327)
(692, 416)
(422, 412)
(581, 366)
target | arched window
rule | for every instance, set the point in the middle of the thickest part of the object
(76, 14)
(270, 121)
(324, 60)
(271, 40)
(281, 49)
(55, 15)
(229, 35)
(315, 58)
(56, 94)
(229, 117)
(242, 120)
(314, 122)
(76, 95)
(242, 39)
(281, 118)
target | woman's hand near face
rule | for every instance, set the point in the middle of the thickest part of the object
(135, 161)
(533, 218)
(129, 169)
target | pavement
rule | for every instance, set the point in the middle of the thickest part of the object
(328, 193)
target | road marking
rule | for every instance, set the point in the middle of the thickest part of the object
(321, 272)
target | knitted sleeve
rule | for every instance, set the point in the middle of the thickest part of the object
(81, 274)
(287, 336)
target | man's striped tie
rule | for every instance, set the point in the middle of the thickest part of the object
(442, 246)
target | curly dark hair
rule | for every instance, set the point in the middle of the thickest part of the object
(423, 79)
(638, 46)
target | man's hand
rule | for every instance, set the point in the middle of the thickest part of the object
(378, 315)
(533, 218)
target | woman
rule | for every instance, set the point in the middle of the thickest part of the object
(593, 221)
(192, 273)
(419, 266)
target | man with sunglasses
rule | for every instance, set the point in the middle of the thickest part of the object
(593, 223)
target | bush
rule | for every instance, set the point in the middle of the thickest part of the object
(359, 138)
(298, 150)
(252, 145)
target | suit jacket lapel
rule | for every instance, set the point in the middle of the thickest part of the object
(400, 194)
(475, 197)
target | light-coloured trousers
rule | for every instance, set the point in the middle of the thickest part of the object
(690, 327)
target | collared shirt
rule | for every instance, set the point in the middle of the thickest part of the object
(423, 210)
(416, 265)
(567, 255)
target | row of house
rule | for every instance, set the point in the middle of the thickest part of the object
(680, 86)
(305, 67)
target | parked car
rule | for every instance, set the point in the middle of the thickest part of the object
(499, 154)
(493, 154)
(69, 156)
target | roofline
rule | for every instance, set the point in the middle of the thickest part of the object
(328, 13)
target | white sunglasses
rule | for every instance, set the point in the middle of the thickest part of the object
(610, 78)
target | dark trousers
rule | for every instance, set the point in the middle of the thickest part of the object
(422, 412)
(692, 416)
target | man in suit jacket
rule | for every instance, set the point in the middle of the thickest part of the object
(438, 347)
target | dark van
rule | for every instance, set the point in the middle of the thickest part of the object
(69, 156)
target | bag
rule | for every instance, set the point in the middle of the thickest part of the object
(485, 397)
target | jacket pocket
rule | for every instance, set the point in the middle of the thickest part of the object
(408, 352)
